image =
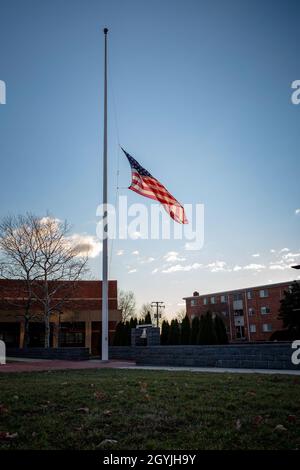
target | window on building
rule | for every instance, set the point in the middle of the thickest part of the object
(193, 302)
(263, 293)
(10, 333)
(213, 300)
(238, 313)
(240, 332)
(267, 327)
(72, 338)
(72, 334)
(223, 299)
(237, 296)
(264, 310)
(251, 311)
(252, 328)
(249, 294)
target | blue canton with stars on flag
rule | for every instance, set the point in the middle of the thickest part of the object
(136, 166)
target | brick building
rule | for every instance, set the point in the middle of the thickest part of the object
(250, 314)
(76, 323)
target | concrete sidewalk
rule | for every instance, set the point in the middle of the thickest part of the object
(214, 370)
(37, 365)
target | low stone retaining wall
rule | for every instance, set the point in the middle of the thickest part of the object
(66, 354)
(127, 353)
(247, 356)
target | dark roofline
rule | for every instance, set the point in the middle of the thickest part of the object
(266, 286)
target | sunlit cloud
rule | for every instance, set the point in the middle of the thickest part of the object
(297, 211)
(256, 255)
(180, 267)
(47, 219)
(278, 267)
(85, 245)
(120, 252)
(254, 267)
(237, 268)
(291, 256)
(217, 266)
(131, 271)
(149, 260)
(173, 256)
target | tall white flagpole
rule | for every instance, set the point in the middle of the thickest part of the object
(104, 356)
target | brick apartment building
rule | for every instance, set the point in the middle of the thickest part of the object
(76, 323)
(250, 314)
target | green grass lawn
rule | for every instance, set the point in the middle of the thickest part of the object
(148, 410)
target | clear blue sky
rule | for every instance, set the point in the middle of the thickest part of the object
(202, 94)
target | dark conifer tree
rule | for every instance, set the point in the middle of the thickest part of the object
(148, 319)
(118, 334)
(165, 332)
(185, 331)
(220, 330)
(174, 337)
(207, 333)
(195, 330)
(289, 311)
(127, 334)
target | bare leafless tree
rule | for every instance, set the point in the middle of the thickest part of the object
(59, 265)
(53, 262)
(144, 310)
(127, 304)
(180, 314)
(18, 255)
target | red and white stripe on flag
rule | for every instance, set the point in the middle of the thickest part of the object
(149, 186)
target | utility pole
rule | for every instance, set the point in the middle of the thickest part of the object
(157, 315)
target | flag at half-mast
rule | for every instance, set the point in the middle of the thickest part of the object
(145, 184)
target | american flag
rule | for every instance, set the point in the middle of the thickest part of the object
(145, 184)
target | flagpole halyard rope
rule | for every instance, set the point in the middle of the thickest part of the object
(118, 161)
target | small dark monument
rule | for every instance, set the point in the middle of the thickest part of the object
(145, 335)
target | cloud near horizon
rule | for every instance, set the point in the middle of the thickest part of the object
(180, 267)
(172, 257)
(283, 259)
(217, 266)
(85, 245)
